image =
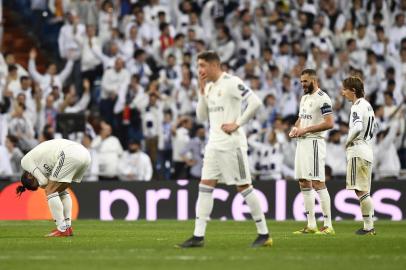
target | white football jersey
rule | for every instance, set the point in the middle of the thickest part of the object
(313, 108)
(361, 111)
(45, 156)
(225, 99)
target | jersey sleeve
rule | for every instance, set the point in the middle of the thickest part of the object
(356, 115)
(238, 89)
(326, 105)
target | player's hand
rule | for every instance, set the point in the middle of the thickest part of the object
(229, 128)
(300, 132)
(202, 83)
(293, 132)
(33, 53)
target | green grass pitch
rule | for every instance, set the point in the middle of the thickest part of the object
(150, 245)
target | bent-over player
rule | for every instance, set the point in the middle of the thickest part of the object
(53, 165)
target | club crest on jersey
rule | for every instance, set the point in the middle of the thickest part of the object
(354, 116)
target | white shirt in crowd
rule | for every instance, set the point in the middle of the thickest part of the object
(113, 81)
(46, 81)
(135, 166)
(69, 42)
(109, 151)
(179, 141)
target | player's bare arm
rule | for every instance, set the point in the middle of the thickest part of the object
(53, 187)
(328, 123)
(293, 131)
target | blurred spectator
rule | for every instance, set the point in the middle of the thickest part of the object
(21, 127)
(51, 78)
(15, 154)
(386, 160)
(135, 165)
(335, 157)
(180, 138)
(92, 173)
(113, 80)
(109, 151)
(193, 153)
(152, 117)
(5, 165)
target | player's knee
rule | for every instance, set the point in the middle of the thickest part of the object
(318, 185)
(211, 183)
(242, 188)
(305, 184)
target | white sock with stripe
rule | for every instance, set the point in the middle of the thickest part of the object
(309, 203)
(256, 212)
(203, 209)
(325, 206)
(56, 207)
(67, 207)
(367, 209)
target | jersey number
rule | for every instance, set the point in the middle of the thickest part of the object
(369, 132)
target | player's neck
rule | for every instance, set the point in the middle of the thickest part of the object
(217, 76)
(355, 99)
(316, 88)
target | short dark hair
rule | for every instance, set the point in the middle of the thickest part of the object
(209, 56)
(355, 84)
(13, 139)
(309, 71)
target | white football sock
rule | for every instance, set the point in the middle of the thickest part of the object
(203, 209)
(67, 207)
(367, 209)
(309, 203)
(56, 207)
(256, 212)
(325, 206)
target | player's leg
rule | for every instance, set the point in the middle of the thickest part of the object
(56, 207)
(204, 205)
(304, 169)
(367, 210)
(325, 202)
(263, 238)
(67, 209)
(309, 204)
(360, 181)
(78, 171)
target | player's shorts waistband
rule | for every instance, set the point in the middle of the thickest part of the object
(310, 138)
(356, 143)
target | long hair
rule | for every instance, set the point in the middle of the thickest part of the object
(355, 84)
(27, 184)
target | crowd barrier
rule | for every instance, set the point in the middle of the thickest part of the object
(154, 200)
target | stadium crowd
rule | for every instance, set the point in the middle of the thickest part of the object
(130, 67)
